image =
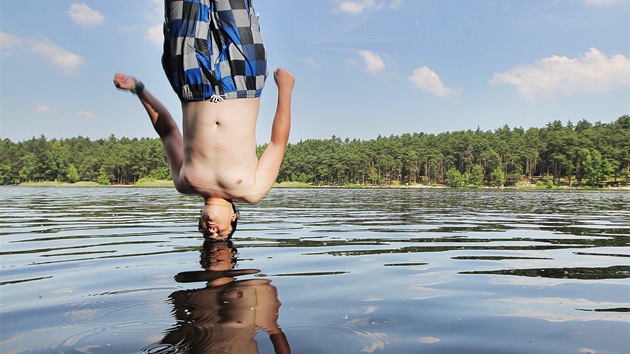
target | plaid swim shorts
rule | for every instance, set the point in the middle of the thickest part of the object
(213, 49)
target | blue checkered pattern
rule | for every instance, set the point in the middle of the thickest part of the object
(213, 48)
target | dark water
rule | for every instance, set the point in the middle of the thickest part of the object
(116, 270)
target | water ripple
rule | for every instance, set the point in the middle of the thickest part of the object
(379, 270)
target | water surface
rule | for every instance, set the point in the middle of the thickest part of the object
(123, 270)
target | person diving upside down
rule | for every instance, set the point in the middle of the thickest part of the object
(216, 62)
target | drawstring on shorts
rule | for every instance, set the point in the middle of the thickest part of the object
(216, 98)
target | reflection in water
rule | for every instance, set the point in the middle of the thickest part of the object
(87, 270)
(614, 272)
(225, 315)
(553, 309)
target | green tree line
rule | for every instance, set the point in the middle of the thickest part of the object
(106, 161)
(572, 154)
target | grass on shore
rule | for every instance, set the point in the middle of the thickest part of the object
(58, 184)
(141, 183)
(154, 183)
(292, 185)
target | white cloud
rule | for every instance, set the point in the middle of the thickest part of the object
(427, 80)
(356, 7)
(374, 65)
(396, 4)
(84, 15)
(85, 114)
(310, 62)
(158, 7)
(8, 41)
(601, 2)
(590, 72)
(372, 341)
(422, 78)
(41, 108)
(428, 340)
(65, 60)
(155, 34)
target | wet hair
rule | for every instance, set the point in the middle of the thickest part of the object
(209, 245)
(233, 223)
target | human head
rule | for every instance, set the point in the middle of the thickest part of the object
(218, 219)
(218, 255)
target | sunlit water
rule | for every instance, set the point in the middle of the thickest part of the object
(124, 270)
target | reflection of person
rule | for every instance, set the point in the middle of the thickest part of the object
(216, 62)
(224, 316)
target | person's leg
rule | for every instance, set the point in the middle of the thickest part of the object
(187, 58)
(271, 159)
(162, 121)
(169, 133)
(241, 65)
(213, 49)
(282, 119)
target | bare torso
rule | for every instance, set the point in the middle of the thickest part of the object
(219, 148)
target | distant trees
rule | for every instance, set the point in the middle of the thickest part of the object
(574, 153)
(582, 153)
(106, 161)
(453, 178)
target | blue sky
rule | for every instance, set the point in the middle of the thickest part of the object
(364, 67)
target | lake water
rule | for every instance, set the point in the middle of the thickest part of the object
(124, 270)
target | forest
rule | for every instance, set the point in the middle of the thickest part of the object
(558, 154)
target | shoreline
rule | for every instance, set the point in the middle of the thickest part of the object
(297, 185)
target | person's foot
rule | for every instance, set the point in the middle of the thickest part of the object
(124, 82)
(284, 79)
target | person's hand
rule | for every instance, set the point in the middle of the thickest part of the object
(124, 82)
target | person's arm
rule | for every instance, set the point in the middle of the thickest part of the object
(280, 343)
(271, 159)
(266, 315)
(162, 121)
